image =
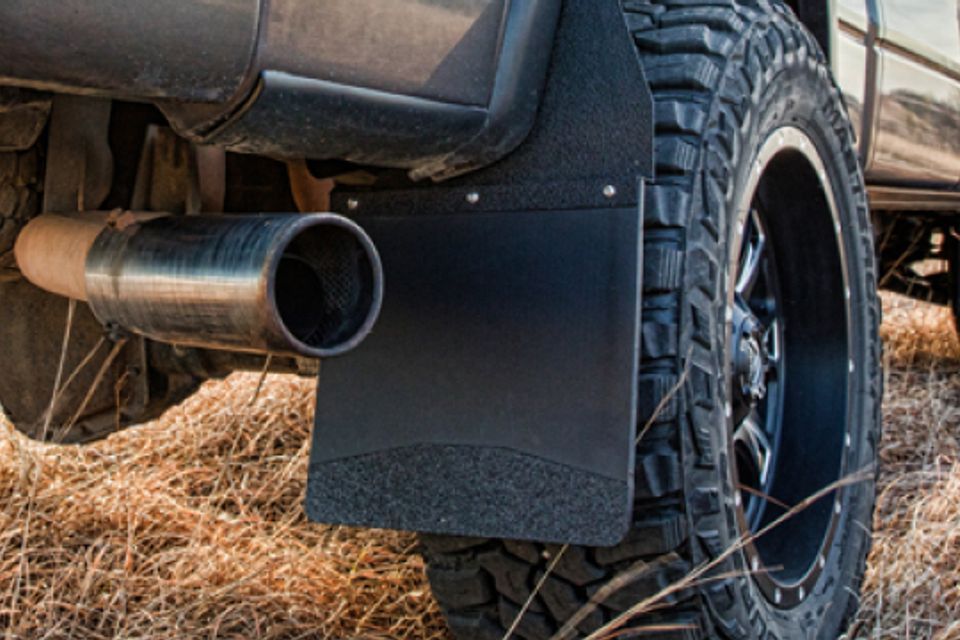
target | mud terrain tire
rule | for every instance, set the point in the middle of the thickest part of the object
(726, 76)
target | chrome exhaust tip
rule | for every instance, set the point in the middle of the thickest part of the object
(297, 284)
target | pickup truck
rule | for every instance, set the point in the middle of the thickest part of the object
(590, 287)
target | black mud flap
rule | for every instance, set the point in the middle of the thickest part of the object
(497, 395)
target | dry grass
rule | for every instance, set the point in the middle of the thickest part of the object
(912, 588)
(192, 527)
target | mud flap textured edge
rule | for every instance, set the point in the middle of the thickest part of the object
(497, 395)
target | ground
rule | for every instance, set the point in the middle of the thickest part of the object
(192, 527)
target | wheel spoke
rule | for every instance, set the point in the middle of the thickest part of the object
(771, 339)
(752, 436)
(751, 264)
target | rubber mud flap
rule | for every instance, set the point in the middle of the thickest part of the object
(497, 394)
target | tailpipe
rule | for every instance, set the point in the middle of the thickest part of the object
(297, 284)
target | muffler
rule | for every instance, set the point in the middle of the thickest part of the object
(295, 284)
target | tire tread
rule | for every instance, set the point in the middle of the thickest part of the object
(701, 58)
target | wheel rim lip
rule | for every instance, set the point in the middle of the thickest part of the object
(786, 138)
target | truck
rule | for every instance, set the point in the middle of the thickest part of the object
(590, 287)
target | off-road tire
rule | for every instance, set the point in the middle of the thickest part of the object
(722, 73)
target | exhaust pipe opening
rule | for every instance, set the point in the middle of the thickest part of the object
(326, 285)
(299, 297)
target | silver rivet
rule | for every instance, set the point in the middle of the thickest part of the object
(609, 191)
(851, 366)
(473, 197)
(803, 593)
(822, 561)
(737, 500)
(849, 441)
(728, 410)
(755, 564)
(777, 596)
(836, 507)
(353, 204)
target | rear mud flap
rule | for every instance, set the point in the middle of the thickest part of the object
(497, 394)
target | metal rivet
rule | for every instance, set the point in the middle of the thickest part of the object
(353, 204)
(851, 366)
(473, 197)
(755, 564)
(837, 508)
(822, 561)
(803, 593)
(777, 596)
(737, 500)
(609, 191)
(728, 410)
(849, 441)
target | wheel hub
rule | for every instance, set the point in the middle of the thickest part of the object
(751, 358)
(754, 361)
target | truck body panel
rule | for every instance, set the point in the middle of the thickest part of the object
(140, 50)
(293, 79)
(903, 88)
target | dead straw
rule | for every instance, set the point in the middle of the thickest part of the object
(192, 526)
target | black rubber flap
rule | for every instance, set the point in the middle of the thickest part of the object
(497, 394)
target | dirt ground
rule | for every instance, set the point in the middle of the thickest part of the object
(192, 527)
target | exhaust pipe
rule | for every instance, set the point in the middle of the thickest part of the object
(308, 285)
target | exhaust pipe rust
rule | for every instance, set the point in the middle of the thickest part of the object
(295, 284)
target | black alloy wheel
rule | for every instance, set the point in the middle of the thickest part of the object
(790, 365)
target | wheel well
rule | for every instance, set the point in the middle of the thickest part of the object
(815, 16)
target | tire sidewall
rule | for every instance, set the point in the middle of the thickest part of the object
(797, 91)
